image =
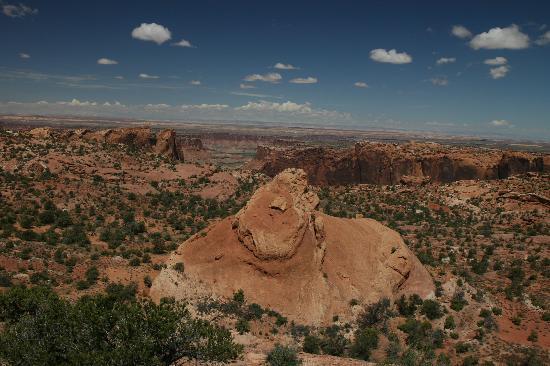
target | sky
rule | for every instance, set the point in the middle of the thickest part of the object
(469, 67)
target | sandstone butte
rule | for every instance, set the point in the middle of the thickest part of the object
(287, 256)
(410, 163)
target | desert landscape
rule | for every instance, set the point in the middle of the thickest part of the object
(346, 252)
(290, 183)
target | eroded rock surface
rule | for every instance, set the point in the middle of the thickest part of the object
(288, 256)
(382, 163)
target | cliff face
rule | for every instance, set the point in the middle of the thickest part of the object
(165, 143)
(378, 163)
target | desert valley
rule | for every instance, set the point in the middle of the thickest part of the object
(344, 252)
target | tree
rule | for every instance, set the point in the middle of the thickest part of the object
(43, 329)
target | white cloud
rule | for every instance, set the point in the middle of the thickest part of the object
(78, 103)
(24, 55)
(308, 80)
(246, 86)
(391, 56)
(17, 11)
(282, 66)
(544, 39)
(195, 82)
(183, 43)
(510, 38)
(152, 32)
(106, 61)
(205, 106)
(361, 84)
(439, 81)
(119, 77)
(499, 72)
(288, 106)
(497, 61)
(271, 77)
(270, 109)
(501, 123)
(156, 106)
(446, 60)
(461, 31)
(147, 76)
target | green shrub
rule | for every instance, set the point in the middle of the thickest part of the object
(179, 267)
(364, 342)
(242, 326)
(43, 329)
(431, 309)
(312, 344)
(283, 356)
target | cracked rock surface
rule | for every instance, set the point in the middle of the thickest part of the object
(290, 257)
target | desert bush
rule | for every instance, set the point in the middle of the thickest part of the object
(431, 309)
(43, 329)
(364, 342)
(283, 356)
(312, 344)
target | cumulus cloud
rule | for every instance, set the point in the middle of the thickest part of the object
(147, 76)
(281, 66)
(544, 39)
(308, 80)
(183, 43)
(461, 31)
(440, 81)
(152, 32)
(391, 56)
(287, 106)
(361, 84)
(499, 72)
(497, 61)
(446, 60)
(501, 123)
(195, 82)
(24, 55)
(510, 38)
(271, 77)
(106, 61)
(78, 103)
(246, 86)
(155, 107)
(291, 109)
(205, 106)
(17, 11)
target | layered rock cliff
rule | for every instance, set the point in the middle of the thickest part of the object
(381, 163)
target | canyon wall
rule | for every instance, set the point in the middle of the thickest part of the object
(381, 163)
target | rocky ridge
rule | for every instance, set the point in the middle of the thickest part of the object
(411, 163)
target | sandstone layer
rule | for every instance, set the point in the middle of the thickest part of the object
(290, 257)
(382, 163)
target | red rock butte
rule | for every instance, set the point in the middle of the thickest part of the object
(290, 257)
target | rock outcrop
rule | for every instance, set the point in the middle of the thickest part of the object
(381, 163)
(165, 143)
(290, 257)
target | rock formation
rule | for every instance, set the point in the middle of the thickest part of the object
(381, 163)
(164, 143)
(290, 257)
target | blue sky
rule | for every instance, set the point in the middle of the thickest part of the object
(474, 67)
